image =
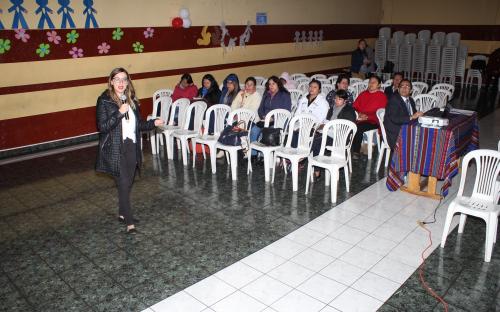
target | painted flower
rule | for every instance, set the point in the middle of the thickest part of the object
(138, 47)
(4, 45)
(117, 34)
(72, 36)
(43, 49)
(52, 36)
(103, 48)
(22, 35)
(76, 52)
(148, 33)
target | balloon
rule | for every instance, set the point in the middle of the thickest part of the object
(177, 22)
(186, 23)
(184, 13)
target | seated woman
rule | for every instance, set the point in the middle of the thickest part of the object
(314, 103)
(367, 104)
(275, 96)
(288, 82)
(248, 98)
(185, 88)
(342, 83)
(209, 91)
(230, 89)
(362, 60)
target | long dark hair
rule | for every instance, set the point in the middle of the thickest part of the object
(129, 90)
(339, 80)
(276, 80)
(213, 82)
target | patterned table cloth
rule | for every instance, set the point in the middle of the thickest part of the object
(433, 152)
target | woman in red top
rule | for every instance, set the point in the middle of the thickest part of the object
(185, 88)
(367, 103)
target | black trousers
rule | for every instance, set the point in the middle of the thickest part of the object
(358, 138)
(128, 165)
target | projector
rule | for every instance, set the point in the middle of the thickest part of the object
(432, 122)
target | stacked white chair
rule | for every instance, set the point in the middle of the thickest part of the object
(475, 73)
(460, 65)
(405, 59)
(342, 132)
(439, 38)
(164, 104)
(448, 64)
(425, 36)
(306, 125)
(422, 85)
(432, 62)
(383, 146)
(297, 75)
(180, 106)
(220, 112)
(260, 80)
(384, 32)
(452, 39)
(425, 102)
(196, 111)
(418, 60)
(443, 95)
(381, 45)
(483, 201)
(398, 37)
(280, 118)
(410, 38)
(302, 80)
(248, 117)
(318, 76)
(393, 54)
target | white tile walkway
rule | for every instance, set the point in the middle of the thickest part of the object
(351, 258)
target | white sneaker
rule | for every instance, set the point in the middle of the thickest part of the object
(220, 154)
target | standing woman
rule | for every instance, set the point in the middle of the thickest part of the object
(120, 126)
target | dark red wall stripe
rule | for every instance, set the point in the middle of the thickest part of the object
(155, 74)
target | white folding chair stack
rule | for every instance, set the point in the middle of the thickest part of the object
(425, 36)
(422, 85)
(482, 203)
(220, 112)
(306, 125)
(385, 33)
(261, 81)
(425, 102)
(180, 106)
(438, 38)
(393, 54)
(475, 73)
(452, 39)
(381, 52)
(280, 118)
(195, 110)
(297, 75)
(432, 62)
(383, 146)
(405, 54)
(448, 64)
(318, 76)
(410, 38)
(443, 95)
(164, 104)
(398, 37)
(248, 117)
(418, 60)
(460, 65)
(341, 132)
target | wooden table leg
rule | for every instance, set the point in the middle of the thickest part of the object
(414, 186)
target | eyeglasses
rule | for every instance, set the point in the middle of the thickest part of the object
(118, 80)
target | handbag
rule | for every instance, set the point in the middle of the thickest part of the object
(232, 134)
(271, 136)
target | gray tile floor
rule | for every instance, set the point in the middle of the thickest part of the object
(61, 248)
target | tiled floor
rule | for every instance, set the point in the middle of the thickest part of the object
(208, 243)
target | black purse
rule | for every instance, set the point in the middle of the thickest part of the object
(271, 136)
(231, 135)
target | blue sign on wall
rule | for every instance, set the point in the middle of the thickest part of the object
(261, 18)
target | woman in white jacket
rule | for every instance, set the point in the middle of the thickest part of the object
(314, 103)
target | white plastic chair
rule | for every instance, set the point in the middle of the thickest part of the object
(358, 87)
(260, 89)
(354, 80)
(443, 96)
(301, 80)
(422, 85)
(405, 59)
(324, 81)
(475, 73)
(386, 84)
(185, 134)
(342, 132)
(393, 54)
(297, 75)
(481, 203)
(410, 38)
(432, 62)
(448, 65)
(295, 95)
(303, 87)
(384, 147)
(164, 104)
(162, 93)
(439, 37)
(326, 88)
(305, 124)
(384, 32)
(220, 112)
(281, 117)
(444, 86)
(425, 102)
(240, 114)
(181, 106)
(260, 80)
(418, 60)
(380, 56)
(415, 91)
(460, 65)
(318, 76)
(398, 37)
(425, 35)
(452, 39)
(333, 79)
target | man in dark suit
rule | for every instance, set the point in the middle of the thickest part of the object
(391, 90)
(399, 110)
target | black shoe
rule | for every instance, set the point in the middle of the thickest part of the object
(132, 231)
(122, 220)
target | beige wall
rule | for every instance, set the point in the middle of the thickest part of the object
(134, 13)
(441, 12)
